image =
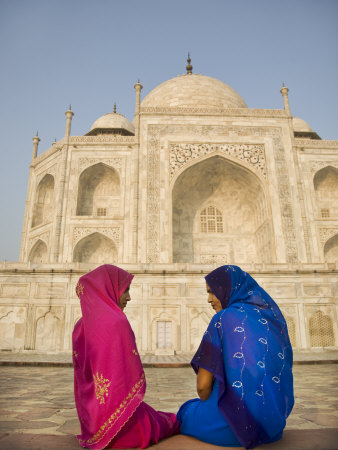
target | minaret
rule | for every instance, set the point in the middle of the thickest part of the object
(137, 162)
(69, 114)
(138, 88)
(284, 91)
(189, 66)
(36, 141)
(23, 250)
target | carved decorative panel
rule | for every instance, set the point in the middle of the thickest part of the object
(44, 237)
(165, 290)
(102, 139)
(15, 290)
(53, 290)
(153, 205)
(317, 165)
(327, 233)
(113, 233)
(116, 163)
(252, 154)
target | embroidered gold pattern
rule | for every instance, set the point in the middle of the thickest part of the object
(135, 352)
(79, 289)
(103, 430)
(75, 354)
(101, 387)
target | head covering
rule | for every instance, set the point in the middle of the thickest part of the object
(109, 382)
(247, 349)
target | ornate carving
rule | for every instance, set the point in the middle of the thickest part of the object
(213, 259)
(153, 207)
(326, 233)
(44, 237)
(314, 143)
(112, 232)
(104, 139)
(49, 171)
(253, 154)
(285, 198)
(244, 112)
(116, 163)
(317, 165)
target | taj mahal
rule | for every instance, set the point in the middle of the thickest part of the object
(196, 180)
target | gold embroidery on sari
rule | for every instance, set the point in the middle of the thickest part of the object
(79, 289)
(135, 352)
(101, 387)
(75, 354)
(103, 430)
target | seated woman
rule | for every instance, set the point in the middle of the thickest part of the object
(109, 382)
(243, 366)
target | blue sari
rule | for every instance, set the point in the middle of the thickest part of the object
(247, 349)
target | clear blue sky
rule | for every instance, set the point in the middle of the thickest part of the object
(90, 53)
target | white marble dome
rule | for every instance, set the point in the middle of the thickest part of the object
(113, 121)
(193, 90)
(300, 125)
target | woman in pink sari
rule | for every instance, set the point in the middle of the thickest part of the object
(109, 382)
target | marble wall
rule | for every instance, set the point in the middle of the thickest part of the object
(168, 312)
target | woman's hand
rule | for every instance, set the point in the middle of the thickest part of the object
(205, 381)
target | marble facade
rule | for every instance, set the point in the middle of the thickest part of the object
(196, 181)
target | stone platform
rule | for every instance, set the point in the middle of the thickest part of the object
(37, 407)
(31, 358)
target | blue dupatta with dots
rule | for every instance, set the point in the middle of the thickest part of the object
(247, 348)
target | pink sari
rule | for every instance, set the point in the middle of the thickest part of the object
(109, 382)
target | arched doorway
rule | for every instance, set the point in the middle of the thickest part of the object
(220, 215)
(325, 183)
(43, 204)
(95, 248)
(99, 191)
(38, 253)
(331, 249)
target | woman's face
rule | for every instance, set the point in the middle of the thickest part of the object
(125, 297)
(213, 300)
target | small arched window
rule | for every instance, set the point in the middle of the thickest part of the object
(211, 220)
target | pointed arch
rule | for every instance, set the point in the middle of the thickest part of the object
(98, 191)
(39, 252)
(239, 196)
(325, 183)
(44, 201)
(331, 249)
(95, 248)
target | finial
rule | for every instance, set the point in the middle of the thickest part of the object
(189, 66)
(138, 81)
(55, 140)
(70, 107)
(114, 108)
(37, 133)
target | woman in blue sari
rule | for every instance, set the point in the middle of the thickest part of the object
(243, 366)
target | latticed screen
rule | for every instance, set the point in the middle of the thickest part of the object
(321, 330)
(325, 212)
(101, 212)
(211, 220)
